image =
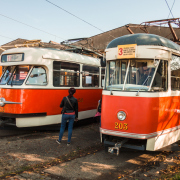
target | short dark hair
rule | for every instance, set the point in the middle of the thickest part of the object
(72, 90)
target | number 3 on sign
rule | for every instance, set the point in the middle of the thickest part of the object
(120, 51)
(121, 126)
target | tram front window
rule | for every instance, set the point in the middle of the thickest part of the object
(133, 75)
(19, 75)
(6, 75)
(14, 75)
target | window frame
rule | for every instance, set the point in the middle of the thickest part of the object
(30, 74)
(68, 71)
(85, 73)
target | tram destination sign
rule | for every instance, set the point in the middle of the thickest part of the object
(126, 51)
(12, 57)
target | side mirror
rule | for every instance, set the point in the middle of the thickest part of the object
(156, 62)
(103, 61)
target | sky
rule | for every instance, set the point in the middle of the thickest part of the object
(59, 20)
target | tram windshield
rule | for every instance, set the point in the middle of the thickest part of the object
(14, 75)
(134, 75)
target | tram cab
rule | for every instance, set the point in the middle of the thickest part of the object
(35, 80)
(141, 97)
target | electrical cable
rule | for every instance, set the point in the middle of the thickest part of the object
(74, 15)
(6, 37)
(31, 26)
(169, 8)
(78, 17)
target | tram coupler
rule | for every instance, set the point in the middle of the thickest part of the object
(117, 146)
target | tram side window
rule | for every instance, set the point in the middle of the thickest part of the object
(66, 74)
(164, 71)
(37, 76)
(102, 76)
(175, 73)
(90, 77)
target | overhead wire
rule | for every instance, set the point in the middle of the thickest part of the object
(31, 26)
(51, 33)
(74, 15)
(6, 37)
(169, 8)
(77, 17)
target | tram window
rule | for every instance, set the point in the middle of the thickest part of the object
(123, 72)
(90, 76)
(6, 75)
(37, 76)
(102, 76)
(66, 74)
(139, 72)
(149, 74)
(112, 71)
(19, 75)
(175, 73)
(163, 70)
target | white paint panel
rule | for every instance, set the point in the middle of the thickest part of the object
(48, 120)
(40, 56)
(38, 121)
(144, 52)
(86, 114)
(164, 140)
(142, 94)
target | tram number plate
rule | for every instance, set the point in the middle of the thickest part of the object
(80, 100)
(121, 126)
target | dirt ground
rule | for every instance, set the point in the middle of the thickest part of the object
(38, 156)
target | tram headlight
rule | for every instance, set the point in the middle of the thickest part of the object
(121, 115)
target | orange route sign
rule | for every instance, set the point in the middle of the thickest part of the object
(126, 51)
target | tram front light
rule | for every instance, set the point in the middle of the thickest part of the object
(121, 115)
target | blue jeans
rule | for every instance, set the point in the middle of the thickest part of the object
(66, 117)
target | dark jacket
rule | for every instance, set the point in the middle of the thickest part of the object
(67, 107)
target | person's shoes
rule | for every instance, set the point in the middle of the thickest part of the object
(68, 144)
(59, 142)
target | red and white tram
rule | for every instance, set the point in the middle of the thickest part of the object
(35, 80)
(141, 97)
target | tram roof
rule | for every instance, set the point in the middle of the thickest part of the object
(51, 54)
(143, 39)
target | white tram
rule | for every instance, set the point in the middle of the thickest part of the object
(141, 97)
(35, 80)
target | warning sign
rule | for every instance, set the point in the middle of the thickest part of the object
(126, 51)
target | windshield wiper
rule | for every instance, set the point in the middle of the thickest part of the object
(143, 84)
(12, 77)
